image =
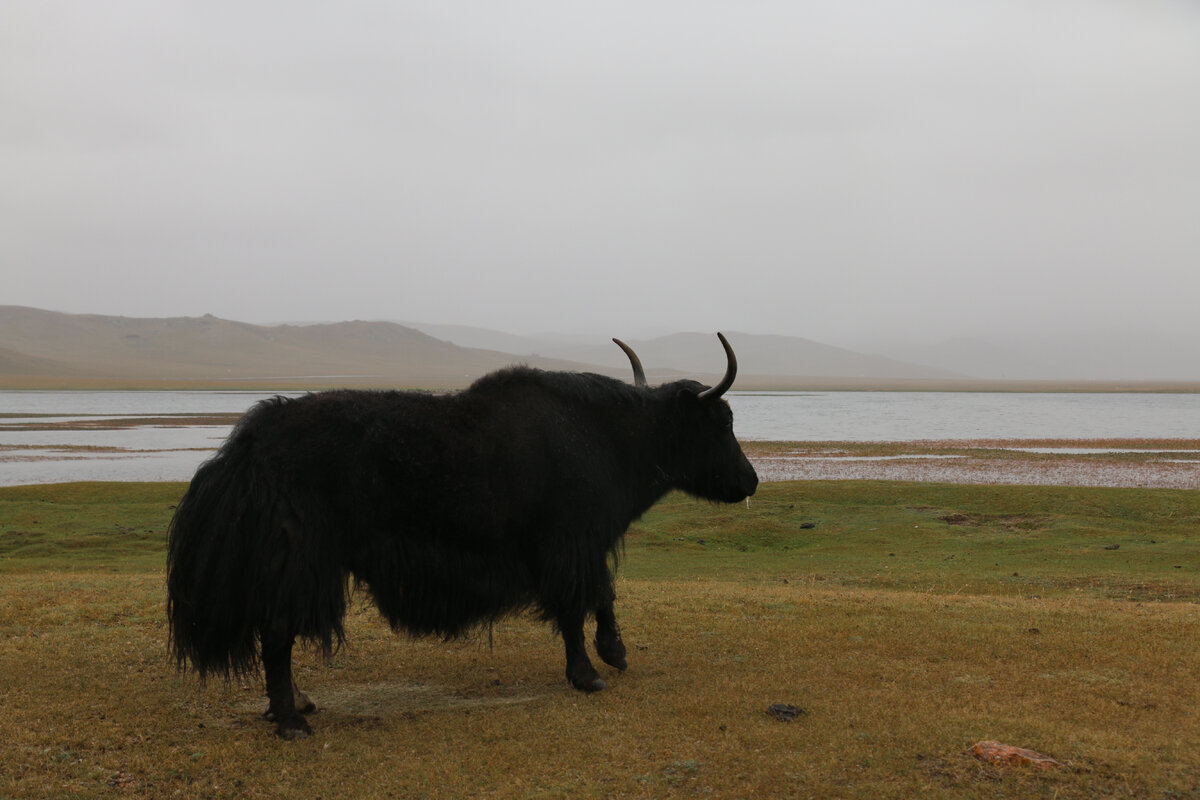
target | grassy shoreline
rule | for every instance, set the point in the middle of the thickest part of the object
(909, 621)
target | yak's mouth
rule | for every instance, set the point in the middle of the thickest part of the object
(747, 489)
(748, 480)
(732, 491)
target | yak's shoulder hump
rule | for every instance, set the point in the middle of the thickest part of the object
(582, 386)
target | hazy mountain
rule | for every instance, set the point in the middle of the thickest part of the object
(206, 348)
(14, 363)
(47, 343)
(61, 348)
(1128, 355)
(763, 355)
(485, 339)
(700, 354)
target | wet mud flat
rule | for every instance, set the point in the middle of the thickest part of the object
(108, 422)
(1133, 463)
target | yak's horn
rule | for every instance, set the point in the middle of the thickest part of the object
(639, 374)
(730, 373)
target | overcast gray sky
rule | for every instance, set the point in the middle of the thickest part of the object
(840, 171)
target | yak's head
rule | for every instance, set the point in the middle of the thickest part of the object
(704, 458)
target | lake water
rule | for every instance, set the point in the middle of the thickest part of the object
(172, 452)
(912, 416)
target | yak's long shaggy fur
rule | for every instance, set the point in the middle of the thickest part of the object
(451, 510)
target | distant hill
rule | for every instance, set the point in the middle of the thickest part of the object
(206, 349)
(14, 363)
(45, 347)
(699, 354)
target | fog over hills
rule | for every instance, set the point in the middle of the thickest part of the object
(40, 347)
(700, 354)
(1004, 190)
(45, 343)
(35, 342)
(1136, 355)
(1132, 355)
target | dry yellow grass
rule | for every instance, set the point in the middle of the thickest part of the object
(895, 685)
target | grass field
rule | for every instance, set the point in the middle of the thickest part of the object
(908, 621)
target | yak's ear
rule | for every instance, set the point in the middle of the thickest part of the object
(686, 394)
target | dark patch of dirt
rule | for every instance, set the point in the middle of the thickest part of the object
(784, 712)
(1009, 522)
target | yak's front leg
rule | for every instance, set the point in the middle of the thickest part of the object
(286, 702)
(609, 646)
(303, 704)
(580, 672)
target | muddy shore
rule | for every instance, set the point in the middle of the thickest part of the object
(1162, 464)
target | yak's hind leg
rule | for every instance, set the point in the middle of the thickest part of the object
(580, 672)
(286, 702)
(575, 582)
(609, 646)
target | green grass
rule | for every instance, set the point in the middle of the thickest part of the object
(1004, 540)
(896, 622)
(116, 526)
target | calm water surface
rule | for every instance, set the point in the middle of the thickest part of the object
(172, 452)
(142, 453)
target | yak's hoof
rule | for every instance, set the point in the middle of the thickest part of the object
(293, 729)
(612, 652)
(593, 685)
(303, 706)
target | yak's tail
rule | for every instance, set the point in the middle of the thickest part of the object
(246, 553)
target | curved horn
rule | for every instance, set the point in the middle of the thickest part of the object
(730, 373)
(639, 375)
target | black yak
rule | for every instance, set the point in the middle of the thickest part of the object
(453, 511)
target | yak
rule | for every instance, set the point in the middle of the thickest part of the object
(452, 511)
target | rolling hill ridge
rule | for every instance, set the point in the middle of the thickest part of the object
(56, 348)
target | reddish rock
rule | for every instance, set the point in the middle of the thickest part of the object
(1005, 755)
